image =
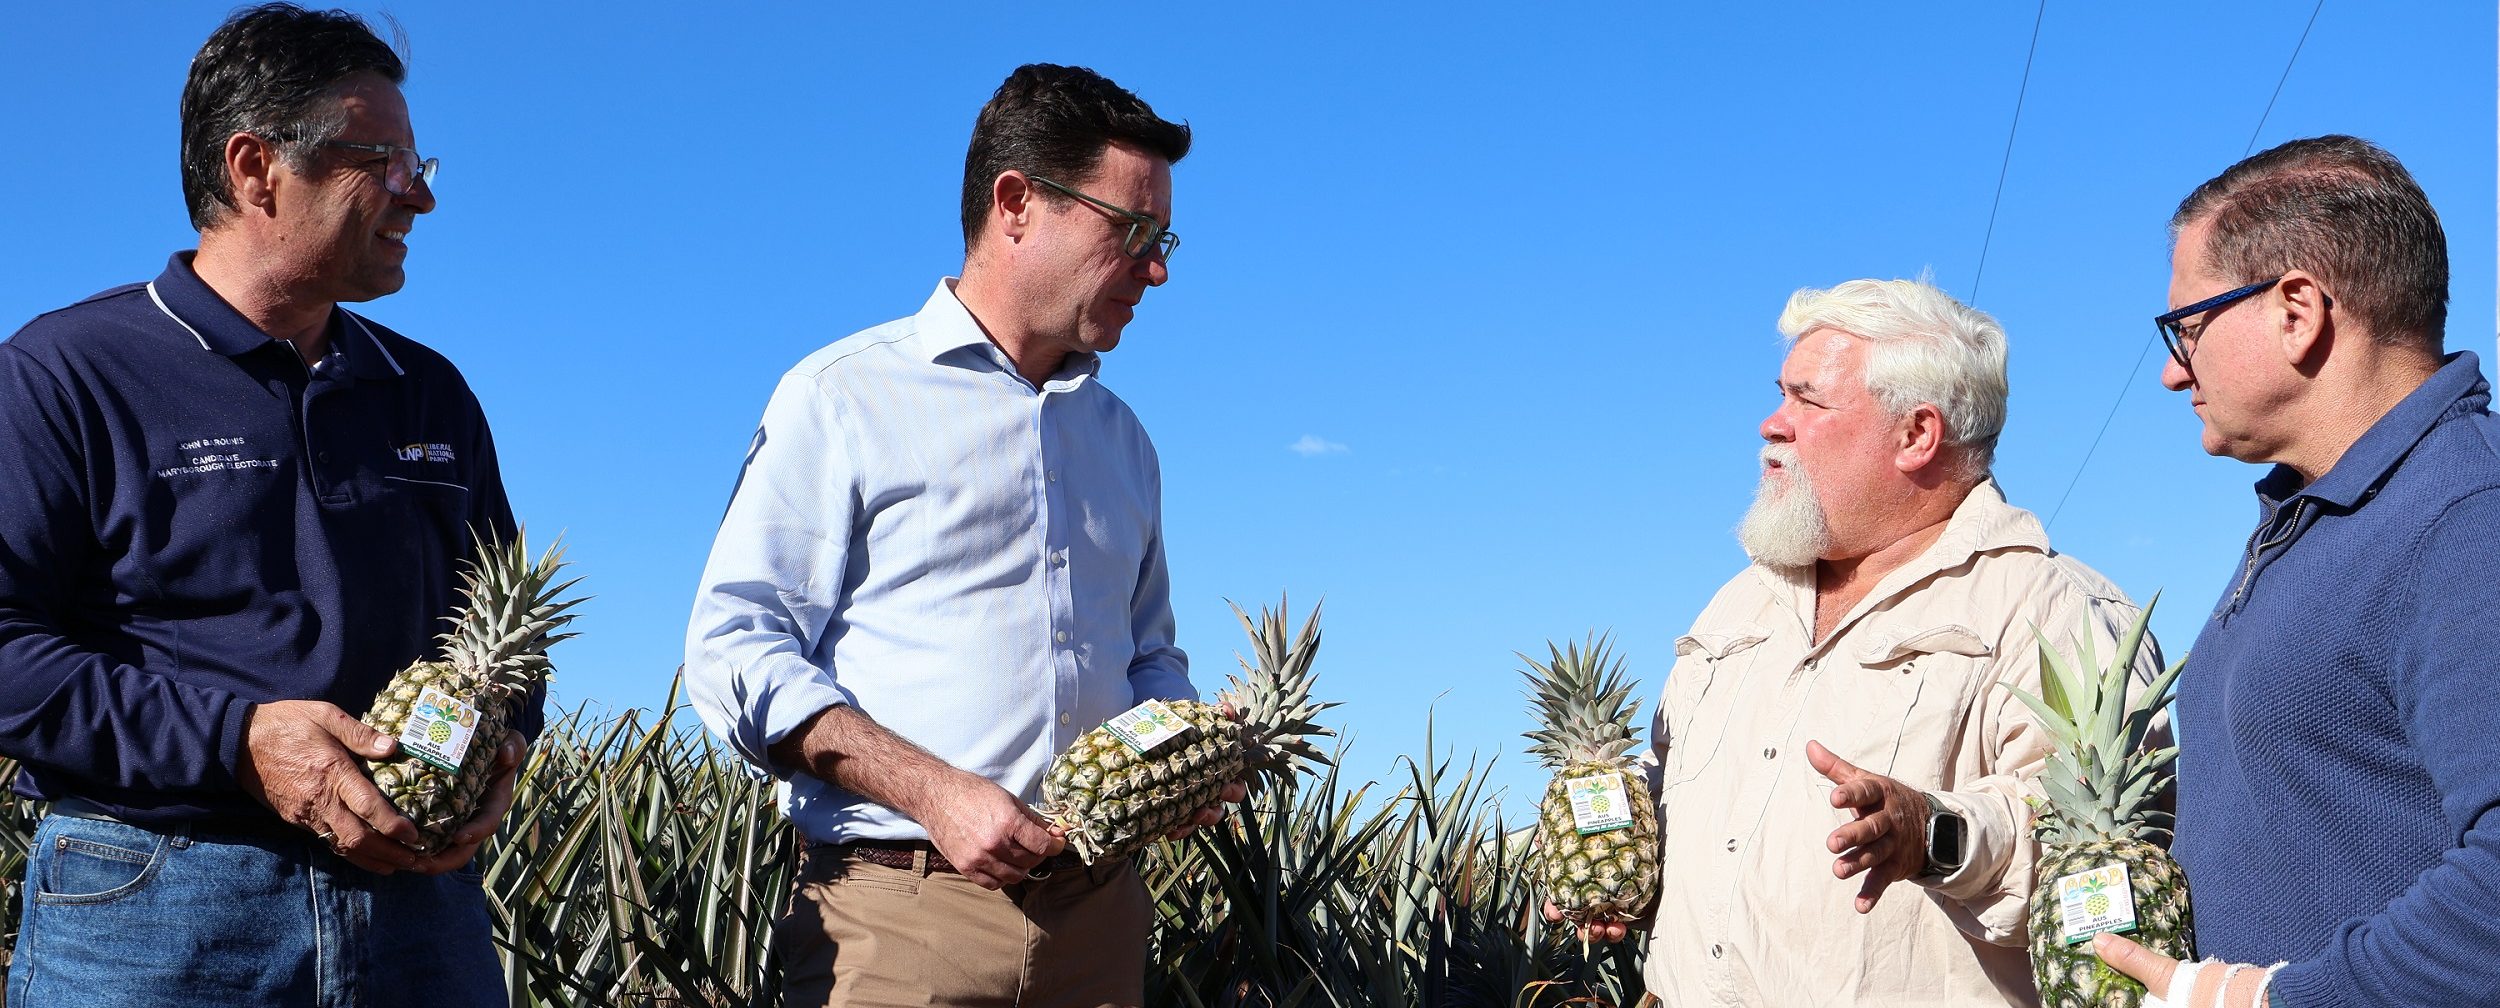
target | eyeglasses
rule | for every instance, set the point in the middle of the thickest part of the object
(1146, 236)
(2176, 335)
(403, 171)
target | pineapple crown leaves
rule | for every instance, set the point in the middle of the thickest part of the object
(511, 614)
(2100, 778)
(1272, 696)
(1581, 698)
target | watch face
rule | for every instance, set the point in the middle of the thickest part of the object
(1944, 842)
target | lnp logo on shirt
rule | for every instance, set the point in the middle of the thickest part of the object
(424, 452)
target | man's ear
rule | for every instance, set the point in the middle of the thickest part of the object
(252, 164)
(2308, 327)
(1011, 205)
(1918, 438)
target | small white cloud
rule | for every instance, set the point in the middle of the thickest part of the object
(1313, 444)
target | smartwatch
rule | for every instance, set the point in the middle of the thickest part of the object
(1945, 841)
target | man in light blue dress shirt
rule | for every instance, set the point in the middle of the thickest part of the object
(944, 562)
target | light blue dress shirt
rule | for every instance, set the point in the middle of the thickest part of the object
(919, 532)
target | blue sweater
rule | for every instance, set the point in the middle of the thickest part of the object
(2340, 720)
(192, 521)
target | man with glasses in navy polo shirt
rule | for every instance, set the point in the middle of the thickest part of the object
(942, 563)
(229, 510)
(2339, 788)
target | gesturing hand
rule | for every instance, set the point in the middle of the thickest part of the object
(1887, 842)
(299, 758)
(989, 836)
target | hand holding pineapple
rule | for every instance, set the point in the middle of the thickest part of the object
(1887, 842)
(2209, 984)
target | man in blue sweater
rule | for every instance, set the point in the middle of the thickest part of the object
(2339, 795)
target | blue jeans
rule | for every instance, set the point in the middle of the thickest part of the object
(117, 915)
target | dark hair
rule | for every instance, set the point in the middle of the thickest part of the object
(2339, 207)
(1054, 121)
(266, 72)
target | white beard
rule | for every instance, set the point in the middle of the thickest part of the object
(1785, 528)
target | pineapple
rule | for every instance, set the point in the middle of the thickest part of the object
(1114, 802)
(2101, 783)
(494, 653)
(1603, 867)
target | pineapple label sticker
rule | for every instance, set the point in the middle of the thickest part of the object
(1147, 725)
(1598, 803)
(438, 730)
(2090, 902)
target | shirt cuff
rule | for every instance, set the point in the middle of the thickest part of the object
(1987, 844)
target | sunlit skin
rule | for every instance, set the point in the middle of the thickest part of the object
(298, 244)
(1049, 278)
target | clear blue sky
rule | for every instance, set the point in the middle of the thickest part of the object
(1511, 268)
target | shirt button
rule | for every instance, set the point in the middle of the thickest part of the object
(1063, 636)
(323, 458)
(1054, 475)
(1771, 753)
(1063, 719)
(1058, 558)
(1714, 951)
(1731, 845)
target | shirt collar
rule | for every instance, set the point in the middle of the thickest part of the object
(2457, 387)
(944, 331)
(1983, 523)
(183, 296)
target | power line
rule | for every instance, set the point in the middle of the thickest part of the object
(1989, 237)
(2278, 82)
(2148, 341)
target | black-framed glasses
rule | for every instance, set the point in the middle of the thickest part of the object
(1147, 237)
(2175, 332)
(404, 169)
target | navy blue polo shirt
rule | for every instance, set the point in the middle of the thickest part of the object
(193, 521)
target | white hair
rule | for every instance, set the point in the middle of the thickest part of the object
(1786, 527)
(1924, 347)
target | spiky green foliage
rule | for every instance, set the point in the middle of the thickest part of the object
(1114, 802)
(2102, 785)
(494, 655)
(1582, 698)
(643, 865)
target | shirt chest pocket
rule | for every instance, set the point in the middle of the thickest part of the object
(1708, 675)
(1896, 697)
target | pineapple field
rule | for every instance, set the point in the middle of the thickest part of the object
(643, 865)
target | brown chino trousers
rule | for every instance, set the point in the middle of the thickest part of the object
(861, 935)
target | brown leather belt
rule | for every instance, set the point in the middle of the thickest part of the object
(899, 854)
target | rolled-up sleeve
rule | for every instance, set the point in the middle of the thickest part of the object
(775, 577)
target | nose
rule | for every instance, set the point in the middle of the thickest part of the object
(2175, 376)
(1157, 272)
(420, 194)
(1776, 429)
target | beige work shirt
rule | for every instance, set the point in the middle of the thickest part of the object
(1906, 686)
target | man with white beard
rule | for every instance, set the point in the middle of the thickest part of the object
(1835, 721)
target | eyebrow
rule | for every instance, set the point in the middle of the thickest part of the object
(1796, 388)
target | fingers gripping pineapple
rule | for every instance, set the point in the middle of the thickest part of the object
(1115, 800)
(451, 716)
(2099, 869)
(1598, 828)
